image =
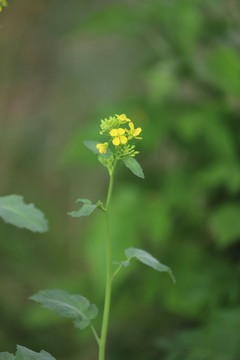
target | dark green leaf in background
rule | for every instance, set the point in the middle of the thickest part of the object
(225, 224)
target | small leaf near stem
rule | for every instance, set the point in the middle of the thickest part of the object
(133, 166)
(147, 259)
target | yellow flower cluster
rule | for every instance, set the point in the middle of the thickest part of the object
(119, 135)
(3, 3)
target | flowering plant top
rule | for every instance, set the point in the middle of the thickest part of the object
(120, 131)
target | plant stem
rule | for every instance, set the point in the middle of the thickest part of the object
(102, 342)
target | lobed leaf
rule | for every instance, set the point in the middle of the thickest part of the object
(14, 211)
(76, 307)
(26, 354)
(133, 165)
(147, 259)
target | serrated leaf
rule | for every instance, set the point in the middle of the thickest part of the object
(133, 165)
(6, 356)
(86, 210)
(147, 259)
(76, 307)
(14, 211)
(92, 146)
(26, 354)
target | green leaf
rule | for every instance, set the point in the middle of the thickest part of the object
(70, 306)
(86, 210)
(134, 166)
(14, 211)
(146, 259)
(6, 356)
(92, 146)
(25, 354)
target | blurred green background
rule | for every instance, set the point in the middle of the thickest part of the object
(173, 66)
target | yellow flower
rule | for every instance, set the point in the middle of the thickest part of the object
(118, 136)
(122, 118)
(102, 148)
(133, 133)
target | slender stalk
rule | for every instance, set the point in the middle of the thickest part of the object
(117, 271)
(102, 342)
(95, 334)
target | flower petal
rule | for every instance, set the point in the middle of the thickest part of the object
(114, 132)
(123, 139)
(131, 126)
(116, 141)
(121, 131)
(137, 132)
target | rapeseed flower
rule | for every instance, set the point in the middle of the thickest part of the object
(118, 136)
(102, 148)
(133, 133)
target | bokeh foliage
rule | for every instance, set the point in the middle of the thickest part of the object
(173, 67)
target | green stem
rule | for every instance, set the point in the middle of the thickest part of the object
(102, 342)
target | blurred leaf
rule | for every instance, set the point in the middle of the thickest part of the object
(70, 306)
(225, 223)
(162, 81)
(224, 69)
(14, 211)
(26, 354)
(109, 19)
(134, 166)
(187, 25)
(6, 356)
(219, 338)
(146, 259)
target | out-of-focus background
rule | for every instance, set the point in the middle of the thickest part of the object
(173, 66)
